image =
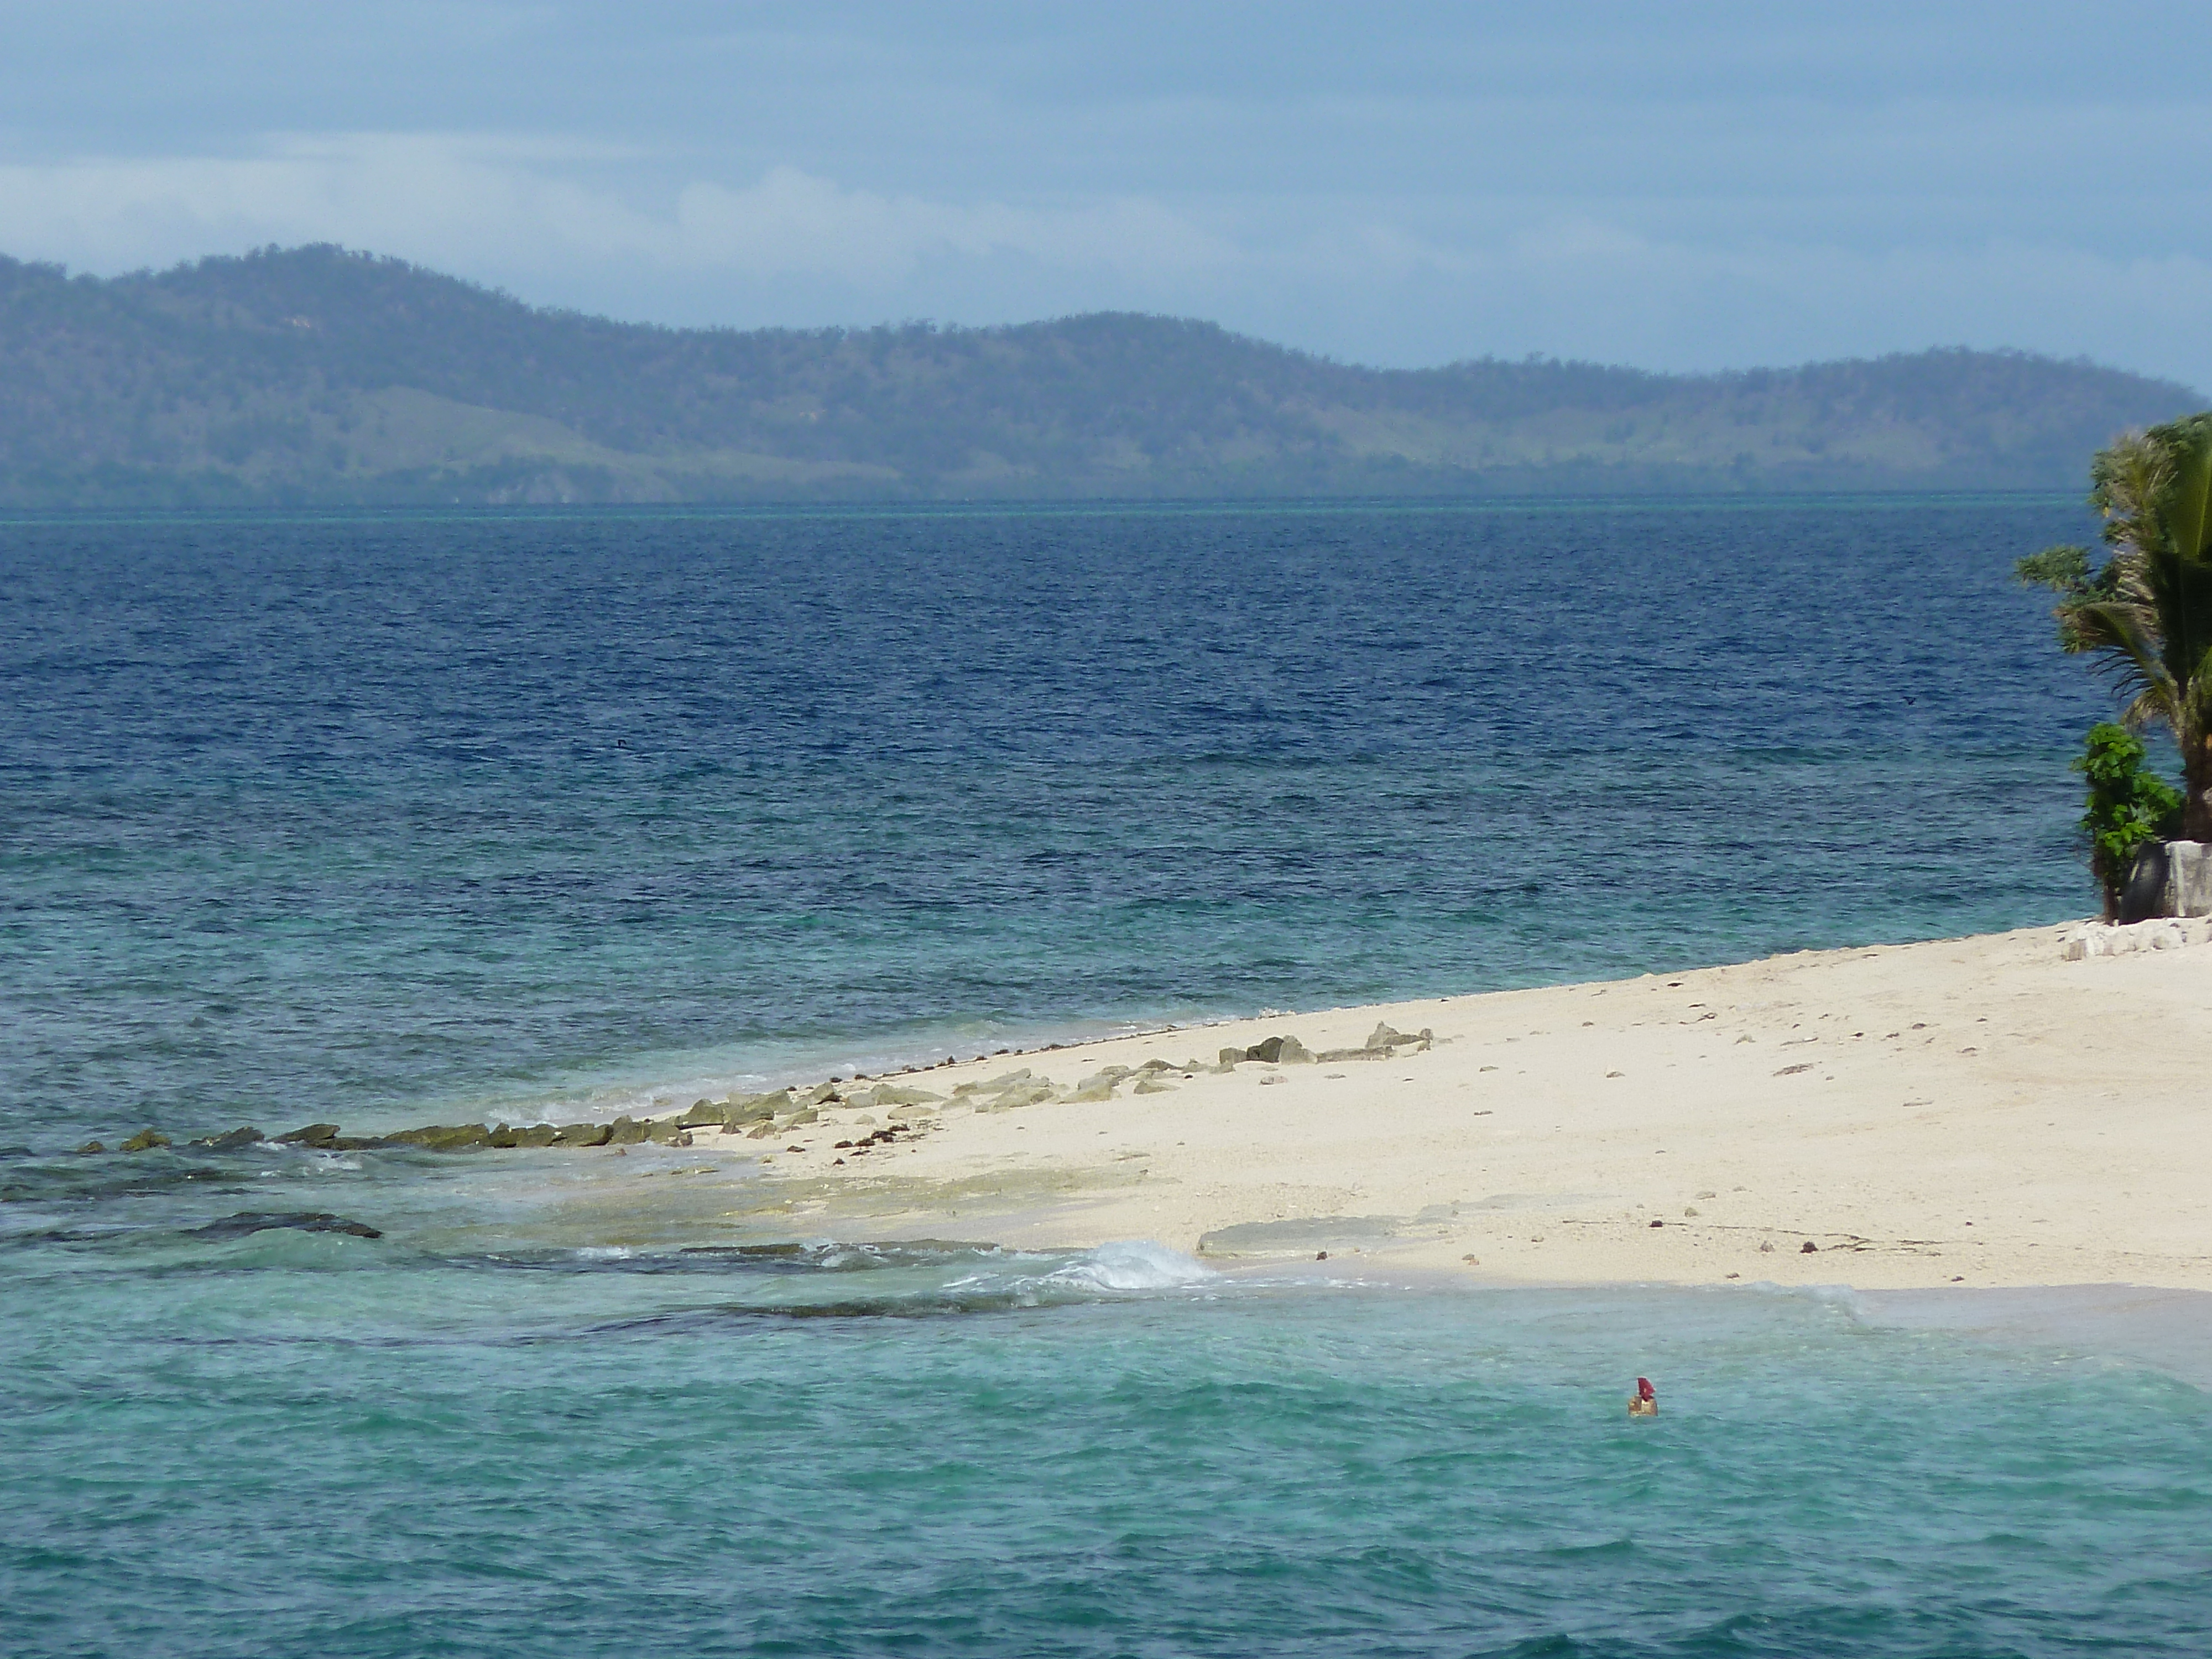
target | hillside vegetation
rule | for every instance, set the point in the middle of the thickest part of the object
(319, 375)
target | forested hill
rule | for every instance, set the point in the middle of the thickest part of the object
(319, 375)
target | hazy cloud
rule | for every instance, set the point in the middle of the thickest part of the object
(1680, 187)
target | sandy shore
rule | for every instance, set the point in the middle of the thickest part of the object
(1975, 1112)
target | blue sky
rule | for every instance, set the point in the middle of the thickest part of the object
(1676, 186)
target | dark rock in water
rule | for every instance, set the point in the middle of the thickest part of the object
(317, 1221)
(624, 1132)
(145, 1140)
(245, 1135)
(314, 1135)
(538, 1134)
(669, 1132)
(581, 1134)
(501, 1136)
(92, 1147)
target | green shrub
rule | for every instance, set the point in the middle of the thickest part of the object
(2129, 807)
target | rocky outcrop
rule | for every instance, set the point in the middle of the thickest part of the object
(2169, 878)
(2098, 938)
(780, 1111)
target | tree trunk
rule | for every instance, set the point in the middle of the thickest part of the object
(2197, 782)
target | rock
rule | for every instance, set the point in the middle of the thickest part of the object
(822, 1095)
(501, 1136)
(538, 1134)
(1268, 1052)
(763, 1132)
(318, 1221)
(1148, 1086)
(92, 1147)
(442, 1137)
(1383, 1037)
(230, 1140)
(704, 1112)
(1295, 1053)
(622, 1131)
(1229, 1057)
(804, 1115)
(314, 1135)
(1022, 1094)
(1157, 1066)
(1809, 1248)
(145, 1140)
(891, 1094)
(2143, 894)
(1096, 1087)
(668, 1132)
(2187, 890)
(581, 1134)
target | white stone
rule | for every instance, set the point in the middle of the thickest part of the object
(2188, 878)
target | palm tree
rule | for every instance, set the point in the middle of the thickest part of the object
(2146, 613)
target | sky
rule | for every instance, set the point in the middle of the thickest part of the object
(1677, 186)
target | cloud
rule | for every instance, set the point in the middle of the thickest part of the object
(793, 223)
(1396, 279)
(462, 202)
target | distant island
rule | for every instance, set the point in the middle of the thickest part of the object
(317, 375)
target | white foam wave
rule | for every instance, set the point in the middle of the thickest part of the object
(1136, 1264)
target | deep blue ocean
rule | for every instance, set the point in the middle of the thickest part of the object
(390, 819)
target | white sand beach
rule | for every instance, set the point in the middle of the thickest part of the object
(1975, 1111)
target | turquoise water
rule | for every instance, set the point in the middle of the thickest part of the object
(313, 1443)
(384, 820)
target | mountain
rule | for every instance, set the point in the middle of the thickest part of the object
(315, 375)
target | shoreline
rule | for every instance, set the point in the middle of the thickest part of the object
(1976, 1112)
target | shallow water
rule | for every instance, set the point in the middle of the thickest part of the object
(318, 1444)
(390, 820)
